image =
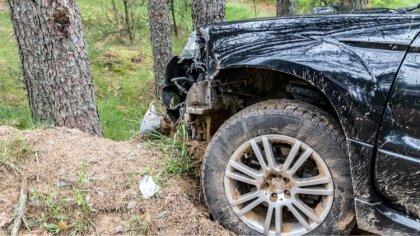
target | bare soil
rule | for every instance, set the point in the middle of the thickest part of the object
(113, 172)
(3, 5)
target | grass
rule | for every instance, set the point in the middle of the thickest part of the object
(393, 3)
(122, 70)
(64, 212)
(179, 161)
(139, 224)
(14, 152)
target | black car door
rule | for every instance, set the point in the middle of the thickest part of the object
(397, 165)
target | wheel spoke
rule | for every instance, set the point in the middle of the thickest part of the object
(245, 169)
(268, 217)
(306, 210)
(268, 149)
(299, 217)
(253, 173)
(257, 151)
(300, 161)
(279, 220)
(317, 180)
(250, 206)
(241, 178)
(314, 191)
(244, 198)
(292, 155)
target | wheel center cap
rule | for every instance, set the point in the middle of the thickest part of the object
(277, 185)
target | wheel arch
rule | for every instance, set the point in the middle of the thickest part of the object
(277, 82)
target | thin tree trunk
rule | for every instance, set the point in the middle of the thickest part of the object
(160, 38)
(294, 7)
(207, 12)
(254, 4)
(55, 63)
(174, 18)
(283, 7)
(127, 21)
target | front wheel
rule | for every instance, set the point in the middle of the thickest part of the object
(279, 167)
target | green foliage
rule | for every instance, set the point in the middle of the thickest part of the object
(393, 3)
(178, 161)
(17, 116)
(14, 152)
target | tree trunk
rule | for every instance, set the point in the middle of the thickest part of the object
(127, 21)
(207, 12)
(55, 63)
(161, 41)
(283, 7)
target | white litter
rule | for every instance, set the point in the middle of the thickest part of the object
(148, 187)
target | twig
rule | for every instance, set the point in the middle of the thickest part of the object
(20, 208)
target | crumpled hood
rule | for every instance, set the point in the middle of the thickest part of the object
(268, 37)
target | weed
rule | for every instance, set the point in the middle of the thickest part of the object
(139, 224)
(66, 212)
(14, 152)
(179, 161)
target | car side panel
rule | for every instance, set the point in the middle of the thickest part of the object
(397, 168)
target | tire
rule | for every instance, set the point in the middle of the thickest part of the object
(285, 118)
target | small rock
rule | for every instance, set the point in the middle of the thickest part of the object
(100, 193)
(132, 156)
(162, 214)
(62, 184)
(139, 146)
(131, 205)
(152, 121)
(119, 229)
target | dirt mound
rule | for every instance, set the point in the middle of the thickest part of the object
(81, 184)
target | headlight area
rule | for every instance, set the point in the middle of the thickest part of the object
(182, 72)
(191, 49)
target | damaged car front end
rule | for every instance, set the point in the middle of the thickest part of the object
(344, 66)
(189, 92)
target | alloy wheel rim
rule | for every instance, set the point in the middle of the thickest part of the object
(277, 184)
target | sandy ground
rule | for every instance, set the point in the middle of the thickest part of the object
(3, 5)
(113, 172)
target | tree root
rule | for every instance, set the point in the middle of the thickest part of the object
(20, 209)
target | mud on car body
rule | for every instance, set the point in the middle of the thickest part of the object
(313, 121)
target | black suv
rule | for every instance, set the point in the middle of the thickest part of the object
(313, 121)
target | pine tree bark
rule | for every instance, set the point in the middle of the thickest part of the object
(283, 7)
(160, 38)
(55, 63)
(207, 12)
